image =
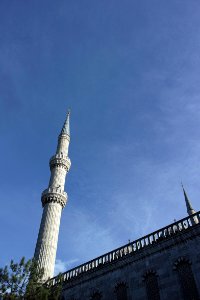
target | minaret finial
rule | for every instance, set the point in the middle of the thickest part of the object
(190, 210)
(66, 127)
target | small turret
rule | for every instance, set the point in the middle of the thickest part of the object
(190, 210)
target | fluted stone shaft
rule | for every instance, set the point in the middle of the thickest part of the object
(45, 252)
(54, 199)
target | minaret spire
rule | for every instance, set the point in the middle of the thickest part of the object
(54, 199)
(190, 210)
(66, 127)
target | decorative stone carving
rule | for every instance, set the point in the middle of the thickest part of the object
(54, 195)
(59, 160)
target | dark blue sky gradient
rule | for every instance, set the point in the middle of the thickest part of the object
(130, 72)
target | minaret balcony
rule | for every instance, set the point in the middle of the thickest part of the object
(60, 160)
(54, 195)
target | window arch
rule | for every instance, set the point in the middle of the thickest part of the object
(186, 279)
(152, 288)
(96, 296)
(121, 291)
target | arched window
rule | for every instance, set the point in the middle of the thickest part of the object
(121, 291)
(96, 296)
(152, 288)
(186, 279)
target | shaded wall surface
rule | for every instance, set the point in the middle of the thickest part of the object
(166, 269)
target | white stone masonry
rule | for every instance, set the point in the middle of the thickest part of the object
(54, 199)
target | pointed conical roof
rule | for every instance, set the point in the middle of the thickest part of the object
(66, 127)
(190, 210)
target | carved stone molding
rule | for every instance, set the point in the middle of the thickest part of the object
(180, 260)
(54, 195)
(64, 136)
(59, 160)
(119, 285)
(148, 273)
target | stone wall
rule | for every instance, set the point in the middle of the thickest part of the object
(159, 258)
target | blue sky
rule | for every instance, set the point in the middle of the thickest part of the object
(130, 72)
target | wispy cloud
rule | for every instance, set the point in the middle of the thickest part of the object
(62, 266)
(88, 236)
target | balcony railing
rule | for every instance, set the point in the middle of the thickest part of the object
(131, 248)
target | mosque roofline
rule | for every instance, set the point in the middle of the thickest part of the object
(135, 246)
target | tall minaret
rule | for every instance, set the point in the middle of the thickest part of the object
(54, 199)
(190, 210)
